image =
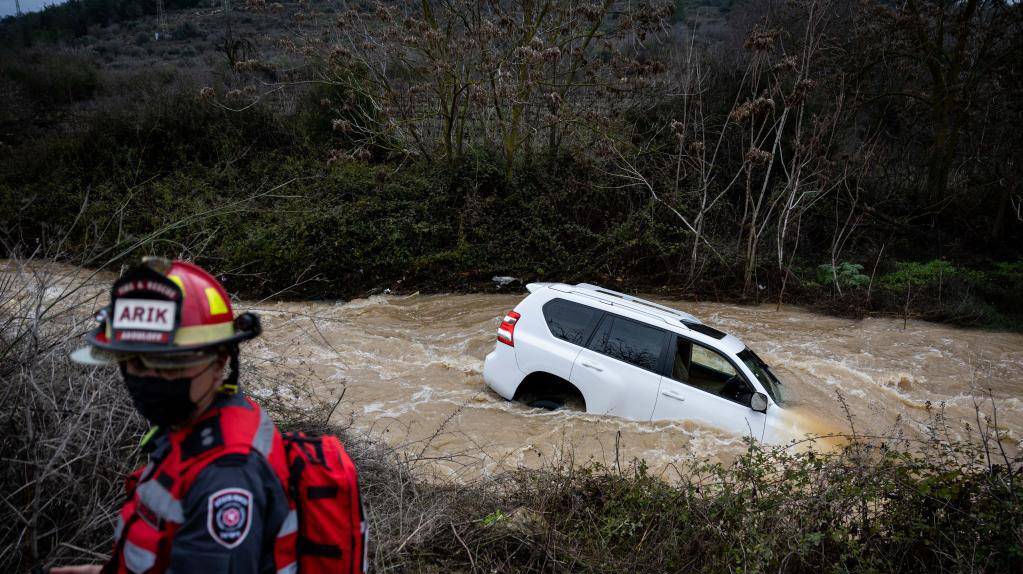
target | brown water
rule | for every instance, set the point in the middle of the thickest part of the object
(410, 367)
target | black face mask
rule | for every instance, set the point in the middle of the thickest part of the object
(163, 402)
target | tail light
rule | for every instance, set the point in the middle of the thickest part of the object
(506, 332)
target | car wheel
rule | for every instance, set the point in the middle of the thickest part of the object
(546, 404)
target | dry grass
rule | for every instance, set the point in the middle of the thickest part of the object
(69, 434)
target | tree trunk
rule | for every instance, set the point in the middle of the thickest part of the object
(751, 258)
(942, 152)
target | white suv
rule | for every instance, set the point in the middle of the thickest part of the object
(621, 355)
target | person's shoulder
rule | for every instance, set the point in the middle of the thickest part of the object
(236, 473)
(232, 468)
(234, 422)
(227, 510)
(250, 465)
(238, 399)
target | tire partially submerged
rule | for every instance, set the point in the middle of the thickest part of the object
(550, 392)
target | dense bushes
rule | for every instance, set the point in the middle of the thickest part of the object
(776, 511)
(344, 228)
(986, 294)
(51, 79)
(347, 225)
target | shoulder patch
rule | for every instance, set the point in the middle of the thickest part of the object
(229, 516)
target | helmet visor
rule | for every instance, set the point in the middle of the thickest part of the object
(96, 357)
(165, 361)
(171, 360)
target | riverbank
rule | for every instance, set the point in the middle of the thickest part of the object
(290, 227)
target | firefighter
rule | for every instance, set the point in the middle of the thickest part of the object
(212, 496)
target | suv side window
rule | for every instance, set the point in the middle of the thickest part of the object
(570, 321)
(711, 360)
(600, 336)
(709, 371)
(632, 342)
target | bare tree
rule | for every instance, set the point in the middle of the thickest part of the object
(435, 78)
(770, 144)
(936, 56)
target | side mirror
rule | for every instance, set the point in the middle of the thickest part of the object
(758, 402)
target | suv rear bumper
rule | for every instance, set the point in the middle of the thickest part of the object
(501, 371)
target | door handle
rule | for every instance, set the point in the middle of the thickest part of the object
(592, 366)
(673, 395)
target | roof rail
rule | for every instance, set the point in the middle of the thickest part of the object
(638, 301)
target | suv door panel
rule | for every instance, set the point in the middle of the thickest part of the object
(619, 373)
(678, 400)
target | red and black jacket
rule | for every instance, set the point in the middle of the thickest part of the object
(211, 499)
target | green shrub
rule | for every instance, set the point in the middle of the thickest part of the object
(985, 295)
(845, 275)
(918, 274)
(862, 509)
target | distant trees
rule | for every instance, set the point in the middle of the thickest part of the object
(750, 156)
(73, 18)
(864, 115)
(948, 65)
(438, 78)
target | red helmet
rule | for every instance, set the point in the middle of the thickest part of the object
(174, 310)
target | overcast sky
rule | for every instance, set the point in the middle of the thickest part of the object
(7, 6)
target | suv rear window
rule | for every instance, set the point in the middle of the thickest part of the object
(570, 321)
(634, 343)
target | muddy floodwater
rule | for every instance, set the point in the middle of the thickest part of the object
(410, 367)
(410, 370)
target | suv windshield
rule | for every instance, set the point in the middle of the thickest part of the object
(763, 373)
